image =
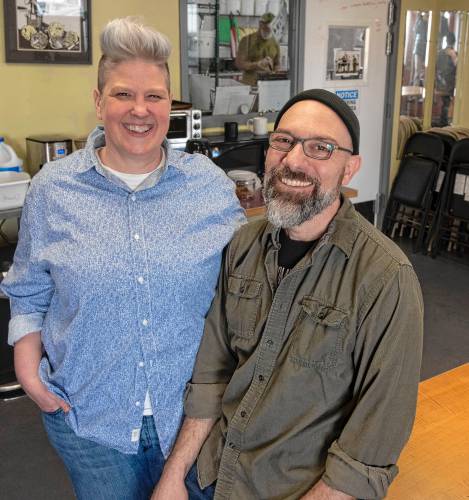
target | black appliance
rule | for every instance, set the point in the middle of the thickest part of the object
(201, 146)
(247, 152)
(9, 387)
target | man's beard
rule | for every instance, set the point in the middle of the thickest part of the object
(288, 209)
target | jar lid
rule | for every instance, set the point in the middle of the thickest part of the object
(242, 175)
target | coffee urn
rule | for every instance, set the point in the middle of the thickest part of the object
(41, 149)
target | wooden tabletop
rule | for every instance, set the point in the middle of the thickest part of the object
(255, 211)
(435, 463)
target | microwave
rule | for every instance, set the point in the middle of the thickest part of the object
(184, 124)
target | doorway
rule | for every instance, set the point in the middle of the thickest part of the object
(431, 71)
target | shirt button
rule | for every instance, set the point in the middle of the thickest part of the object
(141, 364)
(270, 342)
(243, 413)
(145, 322)
(137, 403)
(133, 197)
(261, 378)
(136, 236)
(141, 280)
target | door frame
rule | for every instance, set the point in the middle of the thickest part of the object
(389, 161)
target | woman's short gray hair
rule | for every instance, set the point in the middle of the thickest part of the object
(129, 38)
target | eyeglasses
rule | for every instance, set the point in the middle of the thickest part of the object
(319, 150)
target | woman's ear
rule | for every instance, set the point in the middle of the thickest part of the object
(97, 103)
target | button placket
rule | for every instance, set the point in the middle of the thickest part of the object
(142, 305)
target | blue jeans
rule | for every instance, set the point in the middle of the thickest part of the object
(101, 473)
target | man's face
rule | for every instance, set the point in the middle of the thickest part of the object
(265, 30)
(297, 187)
(134, 105)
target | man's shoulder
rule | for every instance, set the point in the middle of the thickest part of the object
(377, 245)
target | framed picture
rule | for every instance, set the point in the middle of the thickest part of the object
(47, 31)
(347, 50)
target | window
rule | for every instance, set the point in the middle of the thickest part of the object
(239, 55)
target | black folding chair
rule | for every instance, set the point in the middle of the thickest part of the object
(410, 199)
(452, 223)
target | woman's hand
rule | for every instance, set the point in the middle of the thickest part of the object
(28, 353)
(45, 399)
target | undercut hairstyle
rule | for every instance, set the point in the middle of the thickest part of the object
(129, 38)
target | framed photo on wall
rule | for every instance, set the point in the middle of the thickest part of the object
(347, 53)
(47, 31)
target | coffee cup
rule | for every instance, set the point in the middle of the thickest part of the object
(231, 131)
(258, 125)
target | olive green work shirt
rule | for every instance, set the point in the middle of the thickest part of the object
(253, 48)
(314, 378)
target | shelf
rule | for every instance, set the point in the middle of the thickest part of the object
(11, 213)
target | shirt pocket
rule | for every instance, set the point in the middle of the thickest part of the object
(318, 335)
(242, 305)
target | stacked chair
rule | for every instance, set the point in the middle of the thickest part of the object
(414, 191)
(451, 225)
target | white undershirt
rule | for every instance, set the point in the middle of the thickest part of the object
(133, 181)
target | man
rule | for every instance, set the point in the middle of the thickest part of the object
(259, 52)
(305, 382)
(446, 65)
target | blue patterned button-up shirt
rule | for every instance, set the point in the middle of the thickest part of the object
(119, 283)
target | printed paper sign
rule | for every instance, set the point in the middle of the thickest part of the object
(351, 97)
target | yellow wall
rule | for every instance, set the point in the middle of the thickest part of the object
(51, 99)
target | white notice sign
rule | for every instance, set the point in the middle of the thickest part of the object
(351, 97)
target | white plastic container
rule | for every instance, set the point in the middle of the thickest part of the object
(207, 44)
(273, 6)
(8, 159)
(13, 188)
(247, 7)
(233, 7)
(261, 7)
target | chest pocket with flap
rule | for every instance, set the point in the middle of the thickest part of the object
(242, 305)
(318, 335)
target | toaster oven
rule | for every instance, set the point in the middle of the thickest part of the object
(184, 124)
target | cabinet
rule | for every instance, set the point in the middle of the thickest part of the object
(212, 77)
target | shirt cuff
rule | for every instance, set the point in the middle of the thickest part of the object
(203, 400)
(23, 324)
(359, 480)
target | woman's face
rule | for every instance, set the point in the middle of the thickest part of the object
(134, 106)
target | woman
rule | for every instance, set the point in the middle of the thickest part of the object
(116, 265)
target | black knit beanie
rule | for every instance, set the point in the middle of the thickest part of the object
(332, 101)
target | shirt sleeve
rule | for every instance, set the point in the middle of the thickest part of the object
(28, 283)
(388, 351)
(215, 362)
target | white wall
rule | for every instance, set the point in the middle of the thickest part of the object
(373, 13)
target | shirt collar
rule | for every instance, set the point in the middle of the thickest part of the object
(97, 139)
(341, 232)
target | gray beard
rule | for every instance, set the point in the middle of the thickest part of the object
(286, 211)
